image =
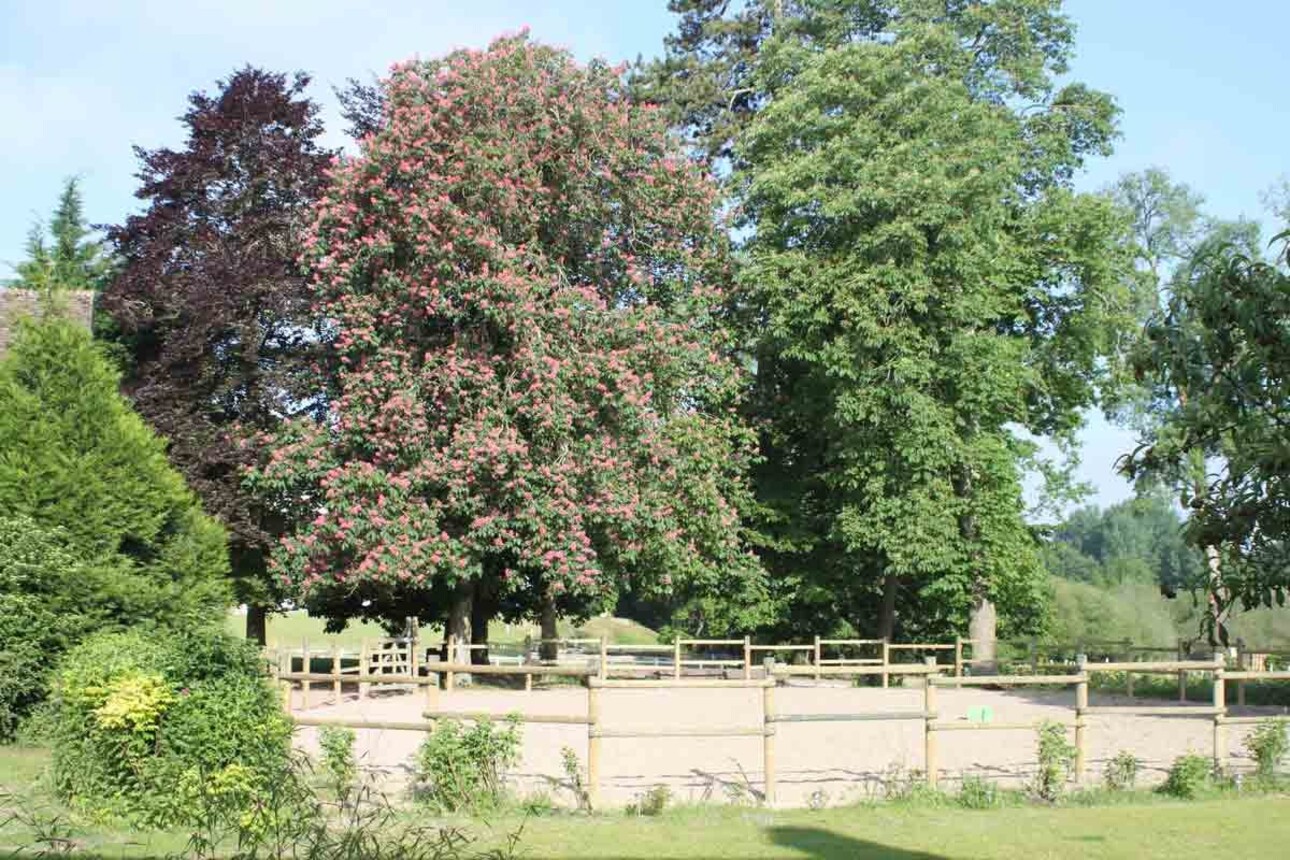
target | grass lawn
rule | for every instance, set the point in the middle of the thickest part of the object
(294, 627)
(1244, 828)
(1254, 827)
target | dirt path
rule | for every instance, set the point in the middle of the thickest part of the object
(818, 762)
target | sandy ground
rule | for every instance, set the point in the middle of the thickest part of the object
(817, 762)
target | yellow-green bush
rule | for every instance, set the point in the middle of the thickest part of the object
(140, 719)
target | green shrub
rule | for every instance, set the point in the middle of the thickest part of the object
(98, 531)
(144, 724)
(459, 768)
(976, 792)
(1267, 745)
(1056, 757)
(1189, 776)
(1122, 771)
(40, 613)
(338, 762)
(283, 817)
(650, 802)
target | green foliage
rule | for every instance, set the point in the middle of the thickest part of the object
(573, 778)
(1133, 611)
(650, 802)
(1122, 771)
(1056, 756)
(338, 762)
(74, 458)
(42, 586)
(1166, 220)
(921, 279)
(977, 792)
(460, 768)
(1214, 362)
(284, 818)
(1140, 540)
(1267, 745)
(70, 258)
(146, 723)
(1189, 776)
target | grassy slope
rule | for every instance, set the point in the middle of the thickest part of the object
(1246, 828)
(293, 627)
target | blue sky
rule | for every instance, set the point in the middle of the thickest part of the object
(81, 81)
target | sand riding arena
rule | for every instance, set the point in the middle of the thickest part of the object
(788, 735)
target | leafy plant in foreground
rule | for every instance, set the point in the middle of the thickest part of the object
(464, 768)
(1189, 776)
(1056, 758)
(338, 762)
(1267, 745)
(1122, 771)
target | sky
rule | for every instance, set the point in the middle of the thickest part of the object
(83, 81)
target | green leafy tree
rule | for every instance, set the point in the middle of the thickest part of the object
(921, 280)
(69, 257)
(1139, 540)
(1167, 218)
(75, 459)
(1214, 362)
(533, 409)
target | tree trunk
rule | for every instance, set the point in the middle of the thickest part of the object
(983, 630)
(459, 613)
(548, 648)
(983, 620)
(481, 611)
(257, 623)
(887, 614)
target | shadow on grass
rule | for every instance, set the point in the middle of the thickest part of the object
(820, 844)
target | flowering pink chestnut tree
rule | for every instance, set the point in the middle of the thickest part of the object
(532, 406)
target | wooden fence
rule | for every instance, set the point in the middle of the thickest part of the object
(764, 724)
(403, 657)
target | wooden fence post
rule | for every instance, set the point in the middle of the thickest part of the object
(451, 683)
(1081, 705)
(747, 658)
(817, 658)
(769, 730)
(304, 667)
(958, 656)
(1242, 663)
(886, 659)
(286, 696)
(676, 658)
(432, 692)
(593, 744)
(335, 671)
(1220, 705)
(364, 668)
(604, 658)
(1182, 675)
(929, 728)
